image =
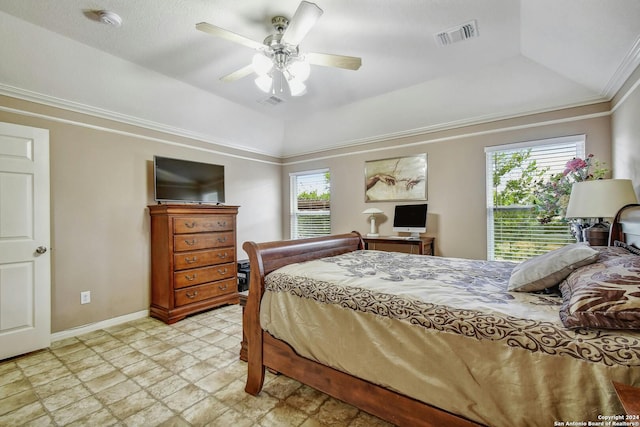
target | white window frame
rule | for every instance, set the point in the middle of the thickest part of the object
(293, 203)
(578, 140)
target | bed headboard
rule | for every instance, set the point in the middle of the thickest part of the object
(626, 226)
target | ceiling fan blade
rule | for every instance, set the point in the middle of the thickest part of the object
(229, 35)
(238, 74)
(339, 61)
(303, 20)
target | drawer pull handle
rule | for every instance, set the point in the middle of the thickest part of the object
(222, 271)
(191, 278)
(223, 287)
(222, 223)
(192, 294)
(191, 242)
(190, 260)
(190, 224)
(222, 239)
(222, 255)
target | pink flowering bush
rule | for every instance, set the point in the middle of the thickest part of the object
(552, 196)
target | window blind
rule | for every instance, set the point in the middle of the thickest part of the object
(513, 230)
(310, 204)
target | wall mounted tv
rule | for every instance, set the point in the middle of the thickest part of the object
(185, 181)
(411, 219)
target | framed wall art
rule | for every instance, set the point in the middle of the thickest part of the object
(397, 179)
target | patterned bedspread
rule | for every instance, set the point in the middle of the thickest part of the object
(458, 296)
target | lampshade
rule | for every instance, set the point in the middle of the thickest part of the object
(601, 198)
(287, 76)
(372, 218)
(261, 64)
(372, 211)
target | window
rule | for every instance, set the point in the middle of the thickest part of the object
(513, 230)
(310, 204)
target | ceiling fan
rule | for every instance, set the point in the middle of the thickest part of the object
(280, 65)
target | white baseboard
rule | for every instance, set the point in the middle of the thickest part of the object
(74, 332)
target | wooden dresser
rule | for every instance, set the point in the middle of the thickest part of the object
(193, 259)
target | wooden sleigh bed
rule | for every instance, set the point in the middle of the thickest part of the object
(463, 357)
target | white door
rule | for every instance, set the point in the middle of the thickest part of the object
(25, 259)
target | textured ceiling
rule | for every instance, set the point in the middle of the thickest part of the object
(531, 55)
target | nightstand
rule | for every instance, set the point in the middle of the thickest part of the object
(421, 246)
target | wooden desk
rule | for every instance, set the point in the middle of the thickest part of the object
(422, 246)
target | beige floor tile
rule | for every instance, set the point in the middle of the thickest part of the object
(284, 415)
(146, 373)
(17, 401)
(152, 376)
(65, 397)
(204, 411)
(24, 414)
(335, 413)
(232, 418)
(256, 407)
(11, 377)
(199, 370)
(167, 386)
(105, 381)
(76, 410)
(57, 386)
(118, 392)
(185, 398)
(307, 399)
(102, 418)
(15, 387)
(131, 404)
(98, 370)
(151, 416)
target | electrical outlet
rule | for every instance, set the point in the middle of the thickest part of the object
(85, 297)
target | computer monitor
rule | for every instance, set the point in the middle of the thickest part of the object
(410, 219)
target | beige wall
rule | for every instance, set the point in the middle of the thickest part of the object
(625, 125)
(101, 183)
(456, 173)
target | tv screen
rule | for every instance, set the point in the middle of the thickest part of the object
(188, 182)
(411, 219)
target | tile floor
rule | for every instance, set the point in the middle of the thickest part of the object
(147, 373)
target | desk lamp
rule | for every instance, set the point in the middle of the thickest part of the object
(372, 212)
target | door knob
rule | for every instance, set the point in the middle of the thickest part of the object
(41, 249)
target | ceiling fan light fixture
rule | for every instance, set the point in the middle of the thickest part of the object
(300, 70)
(261, 64)
(297, 87)
(264, 83)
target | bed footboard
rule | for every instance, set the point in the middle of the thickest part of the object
(267, 257)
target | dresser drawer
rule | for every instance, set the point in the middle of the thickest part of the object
(208, 290)
(196, 276)
(190, 242)
(195, 259)
(203, 224)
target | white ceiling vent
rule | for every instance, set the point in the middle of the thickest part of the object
(458, 34)
(272, 100)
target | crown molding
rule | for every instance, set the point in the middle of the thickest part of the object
(629, 63)
(89, 110)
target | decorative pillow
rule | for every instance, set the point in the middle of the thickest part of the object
(630, 248)
(605, 294)
(549, 269)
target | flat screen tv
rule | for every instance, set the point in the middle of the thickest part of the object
(410, 219)
(184, 181)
